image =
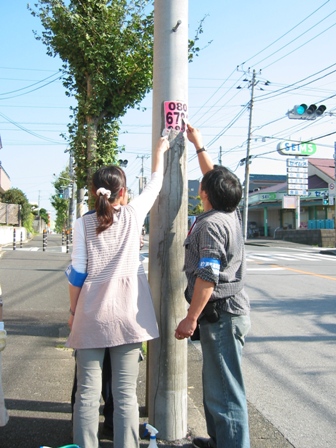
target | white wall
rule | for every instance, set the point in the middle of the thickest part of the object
(6, 234)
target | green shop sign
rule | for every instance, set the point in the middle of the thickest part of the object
(296, 149)
(268, 196)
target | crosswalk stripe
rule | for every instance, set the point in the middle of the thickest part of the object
(289, 257)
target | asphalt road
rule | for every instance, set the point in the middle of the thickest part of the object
(290, 355)
(38, 371)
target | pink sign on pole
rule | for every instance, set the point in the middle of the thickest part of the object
(176, 115)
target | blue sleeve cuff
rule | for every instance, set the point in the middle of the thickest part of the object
(75, 278)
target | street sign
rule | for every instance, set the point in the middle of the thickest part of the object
(289, 201)
(297, 162)
(291, 169)
(296, 149)
(297, 175)
(295, 180)
(332, 189)
(297, 192)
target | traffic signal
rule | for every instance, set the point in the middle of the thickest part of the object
(123, 163)
(303, 112)
(325, 200)
(61, 193)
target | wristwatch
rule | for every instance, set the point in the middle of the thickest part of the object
(201, 150)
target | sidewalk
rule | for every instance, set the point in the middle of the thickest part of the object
(38, 370)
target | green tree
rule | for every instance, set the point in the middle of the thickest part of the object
(107, 52)
(61, 204)
(16, 196)
(197, 209)
(106, 47)
(44, 215)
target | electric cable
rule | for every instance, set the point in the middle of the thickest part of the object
(285, 34)
(296, 38)
(30, 132)
(31, 85)
(33, 90)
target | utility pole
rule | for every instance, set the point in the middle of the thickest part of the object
(39, 213)
(167, 357)
(80, 195)
(247, 161)
(142, 181)
(335, 183)
(220, 156)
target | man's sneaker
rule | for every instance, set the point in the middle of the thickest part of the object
(201, 442)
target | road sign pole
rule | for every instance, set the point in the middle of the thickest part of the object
(298, 217)
(335, 183)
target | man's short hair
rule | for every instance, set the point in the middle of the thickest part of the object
(223, 188)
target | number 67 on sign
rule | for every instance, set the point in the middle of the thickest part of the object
(176, 115)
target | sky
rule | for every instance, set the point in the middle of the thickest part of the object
(289, 44)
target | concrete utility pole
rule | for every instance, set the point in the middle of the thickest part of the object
(247, 161)
(167, 357)
(220, 156)
(80, 197)
(142, 179)
(335, 182)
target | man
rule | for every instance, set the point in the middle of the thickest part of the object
(215, 271)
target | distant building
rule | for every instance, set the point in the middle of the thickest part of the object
(266, 210)
(193, 186)
(5, 183)
(260, 181)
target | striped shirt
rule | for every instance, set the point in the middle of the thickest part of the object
(115, 305)
(215, 252)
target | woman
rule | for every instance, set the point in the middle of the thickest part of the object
(3, 336)
(110, 302)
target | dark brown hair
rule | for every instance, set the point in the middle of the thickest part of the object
(223, 188)
(111, 178)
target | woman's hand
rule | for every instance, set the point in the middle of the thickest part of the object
(162, 144)
(161, 147)
(70, 321)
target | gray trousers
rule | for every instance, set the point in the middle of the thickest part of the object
(125, 370)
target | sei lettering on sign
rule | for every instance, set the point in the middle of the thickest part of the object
(176, 115)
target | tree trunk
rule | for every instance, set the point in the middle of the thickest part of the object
(91, 146)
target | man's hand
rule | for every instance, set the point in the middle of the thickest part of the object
(194, 136)
(185, 328)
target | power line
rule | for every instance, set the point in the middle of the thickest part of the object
(298, 37)
(30, 132)
(285, 34)
(31, 85)
(33, 90)
(287, 88)
(297, 48)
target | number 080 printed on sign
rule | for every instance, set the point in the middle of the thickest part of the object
(176, 115)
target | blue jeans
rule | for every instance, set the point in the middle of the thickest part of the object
(224, 395)
(125, 369)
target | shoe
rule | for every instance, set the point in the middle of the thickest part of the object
(107, 430)
(202, 442)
